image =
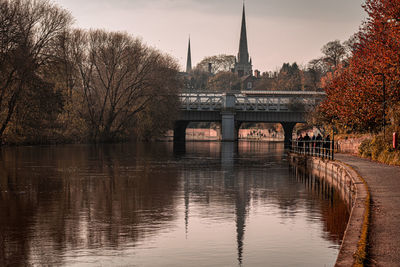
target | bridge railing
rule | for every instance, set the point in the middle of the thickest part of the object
(201, 101)
(259, 103)
(205, 101)
(317, 148)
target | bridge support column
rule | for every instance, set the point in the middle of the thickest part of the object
(229, 133)
(219, 131)
(288, 128)
(180, 131)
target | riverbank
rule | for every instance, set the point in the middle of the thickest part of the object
(354, 190)
(384, 234)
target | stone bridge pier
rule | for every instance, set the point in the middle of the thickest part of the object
(230, 127)
(288, 129)
(180, 131)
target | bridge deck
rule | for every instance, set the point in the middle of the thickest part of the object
(267, 101)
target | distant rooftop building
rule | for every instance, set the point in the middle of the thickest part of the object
(243, 65)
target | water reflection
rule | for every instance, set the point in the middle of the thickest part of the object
(80, 197)
(335, 210)
(138, 204)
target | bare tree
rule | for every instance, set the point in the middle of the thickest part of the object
(29, 34)
(289, 78)
(351, 44)
(118, 78)
(224, 82)
(334, 52)
(218, 63)
(198, 80)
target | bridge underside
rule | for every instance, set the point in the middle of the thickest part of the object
(231, 121)
(200, 116)
(270, 117)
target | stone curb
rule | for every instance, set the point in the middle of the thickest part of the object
(353, 250)
(348, 182)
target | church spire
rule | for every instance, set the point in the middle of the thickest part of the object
(243, 66)
(243, 55)
(189, 59)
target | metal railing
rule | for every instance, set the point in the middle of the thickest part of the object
(201, 101)
(261, 103)
(317, 148)
(242, 102)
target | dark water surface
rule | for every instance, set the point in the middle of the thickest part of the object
(148, 205)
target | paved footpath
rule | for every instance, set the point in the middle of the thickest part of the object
(384, 184)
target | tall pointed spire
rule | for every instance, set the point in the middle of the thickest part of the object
(243, 55)
(189, 59)
(243, 66)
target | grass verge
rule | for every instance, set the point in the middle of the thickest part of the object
(379, 149)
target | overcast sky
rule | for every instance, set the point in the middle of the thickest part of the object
(278, 31)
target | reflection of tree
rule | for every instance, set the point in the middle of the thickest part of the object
(334, 211)
(95, 197)
(17, 209)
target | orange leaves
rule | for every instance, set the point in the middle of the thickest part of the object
(355, 93)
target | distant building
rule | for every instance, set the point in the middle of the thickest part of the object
(243, 67)
(243, 64)
(247, 82)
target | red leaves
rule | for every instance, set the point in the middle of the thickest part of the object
(355, 93)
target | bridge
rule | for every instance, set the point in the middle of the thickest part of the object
(233, 109)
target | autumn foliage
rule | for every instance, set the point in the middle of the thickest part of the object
(355, 90)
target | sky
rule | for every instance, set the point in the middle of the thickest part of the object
(278, 31)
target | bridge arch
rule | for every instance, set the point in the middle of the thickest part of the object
(272, 131)
(182, 130)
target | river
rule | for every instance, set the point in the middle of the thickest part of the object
(211, 204)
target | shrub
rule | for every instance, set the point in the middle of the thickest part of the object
(380, 150)
(365, 148)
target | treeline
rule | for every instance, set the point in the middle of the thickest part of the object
(215, 73)
(363, 92)
(292, 77)
(212, 73)
(59, 84)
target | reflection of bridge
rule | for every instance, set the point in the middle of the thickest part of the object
(232, 109)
